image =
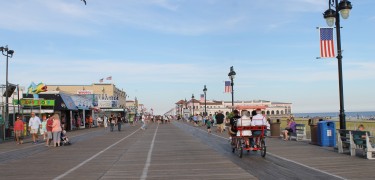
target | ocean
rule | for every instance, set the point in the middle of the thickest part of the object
(351, 115)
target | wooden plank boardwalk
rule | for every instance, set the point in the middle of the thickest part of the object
(173, 151)
(160, 152)
(322, 159)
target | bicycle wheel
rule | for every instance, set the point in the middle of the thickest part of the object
(263, 149)
(233, 145)
(239, 148)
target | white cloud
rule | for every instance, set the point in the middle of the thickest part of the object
(178, 17)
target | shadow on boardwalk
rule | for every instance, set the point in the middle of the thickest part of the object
(323, 159)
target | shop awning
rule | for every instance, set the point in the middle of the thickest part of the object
(68, 101)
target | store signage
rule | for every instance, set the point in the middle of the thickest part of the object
(85, 92)
(107, 103)
(33, 102)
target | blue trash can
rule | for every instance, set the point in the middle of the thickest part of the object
(326, 135)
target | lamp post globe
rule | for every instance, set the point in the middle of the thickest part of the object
(333, 17)
(231, 76)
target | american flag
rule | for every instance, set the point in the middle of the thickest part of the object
(227, 87)
(109, 78)
(202, 97)
(101, 80)
(326, 43)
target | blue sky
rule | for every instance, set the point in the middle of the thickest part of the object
(162, 51)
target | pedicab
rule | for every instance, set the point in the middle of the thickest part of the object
(241, 141)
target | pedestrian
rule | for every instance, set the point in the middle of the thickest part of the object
(131, 120)
(220, 122)
(199, 119)
(62, 122)
(195, 119)
(105, 122)
(91, 121)
(43, 129)
(99, 120)
(112, 121)
(34, 125)
(214, 119)
(143, 122)
(49, 130)
(18, 129)
(208, 124)
(211, 119)
(56, 130)
(119, 122)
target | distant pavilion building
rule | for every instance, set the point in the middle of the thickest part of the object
(185, 108)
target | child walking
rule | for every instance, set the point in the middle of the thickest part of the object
(208, 124)
(43, 129)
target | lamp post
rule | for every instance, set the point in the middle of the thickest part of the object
(185, 108)
(331, 17)
(231, 76)
(205, 100)
(192, 100)
(9, 54)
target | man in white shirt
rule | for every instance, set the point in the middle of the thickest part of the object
(258, 120)
(34, 125)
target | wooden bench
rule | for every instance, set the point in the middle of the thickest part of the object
(355, 140)
(361, 140)
(370, 148)
(299, 134)
(343, 140)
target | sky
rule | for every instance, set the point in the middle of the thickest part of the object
(162, 51)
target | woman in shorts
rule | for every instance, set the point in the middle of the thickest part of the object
(18, 129)
(290, 128)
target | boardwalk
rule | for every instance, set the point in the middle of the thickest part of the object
(173, 151)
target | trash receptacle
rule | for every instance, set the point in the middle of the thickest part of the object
(326, 133)
(275, 128)
(313, 131)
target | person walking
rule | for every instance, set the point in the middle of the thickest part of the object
(112, 121)
(34, 125)
(18, 129)
(119, 122)
(43, 129)
(143, 122)
(199, 119)
(208, 124)
(49, 130)
(99, 121)
(91, 122)
(220, 122)
(56, 130)
(214, 119)
(195, 119)
(105, 122)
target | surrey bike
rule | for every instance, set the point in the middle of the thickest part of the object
(241, 142)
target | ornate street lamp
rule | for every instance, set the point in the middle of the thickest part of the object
(205, 100)
(9, 54)
(192, 100)
(332, 16)
(231, 76)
